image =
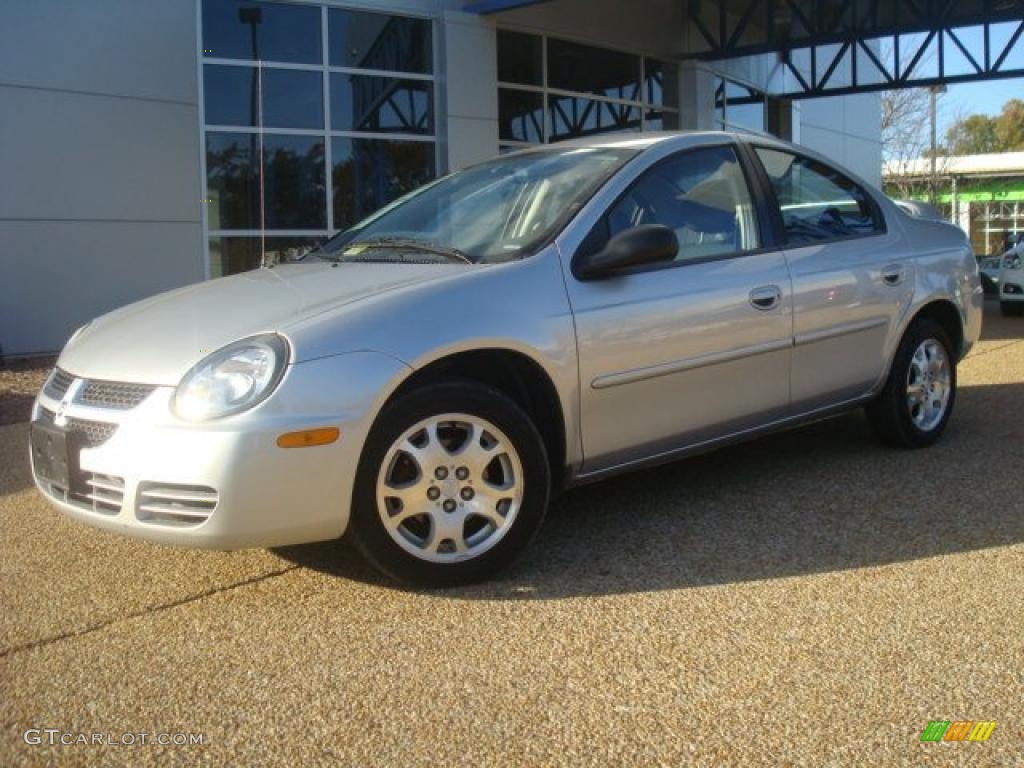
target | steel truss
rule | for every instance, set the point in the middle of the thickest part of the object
(836, 47)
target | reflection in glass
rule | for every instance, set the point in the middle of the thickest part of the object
(233, 29)
(656, 120)
(520, 115)
(740, 106)
(573, 116)
(369, 173)
(295, 195)
(378, 41)
(381, 104)
(291, 98)
(584, 68)
(230, 255)
(661, 83)
(231, 180)
(293, 181)
(520, 58)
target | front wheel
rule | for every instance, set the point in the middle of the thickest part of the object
(1011, 308)
(452, 484)
(914, 407)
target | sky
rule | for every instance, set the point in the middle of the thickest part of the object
(985, 98)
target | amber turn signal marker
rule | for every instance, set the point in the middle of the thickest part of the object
(308, 437)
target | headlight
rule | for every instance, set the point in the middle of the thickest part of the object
(1011, 261)
(232, 379)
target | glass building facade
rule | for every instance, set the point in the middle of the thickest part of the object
(551, 89)
(313, 117)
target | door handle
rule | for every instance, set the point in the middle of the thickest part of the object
(893, 274)
(765, 298)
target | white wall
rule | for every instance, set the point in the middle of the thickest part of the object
(847, 129)
(99, 161)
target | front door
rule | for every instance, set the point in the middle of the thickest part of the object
(685, 352)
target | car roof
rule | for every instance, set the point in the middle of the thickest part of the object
(649, 139)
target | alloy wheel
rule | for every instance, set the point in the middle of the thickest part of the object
(449, 488)
(928, 385)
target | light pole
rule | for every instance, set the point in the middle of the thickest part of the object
(933, 92)
(254, 17)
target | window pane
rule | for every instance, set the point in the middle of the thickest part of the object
(291, 99)
(520, 58)
(661, 83)
(383, 104)
(520, 115)
(295, 195)
(701, 195)
(818, 202)
(369, 173)
(233, 29)
(377, 41)
(744, 106)
(229, 255)
(293, 181)
(232, 180)
(572, 117)
(657, 120)
(583, 68)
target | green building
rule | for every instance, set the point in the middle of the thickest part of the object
(983, 194)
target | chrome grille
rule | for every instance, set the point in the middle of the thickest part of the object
(113, 394)
(57, 385)
(105, 493)
(176, 505)
(92, 433)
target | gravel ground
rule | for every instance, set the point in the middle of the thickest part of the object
(806, 599)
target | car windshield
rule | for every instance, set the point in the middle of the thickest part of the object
(497, 211)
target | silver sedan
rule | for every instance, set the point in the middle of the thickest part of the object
(425, 380)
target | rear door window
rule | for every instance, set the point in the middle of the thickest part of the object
(817, 202)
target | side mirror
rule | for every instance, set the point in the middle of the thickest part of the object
(636, 247)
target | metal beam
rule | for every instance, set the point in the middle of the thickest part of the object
(728, 31)
(496, 6)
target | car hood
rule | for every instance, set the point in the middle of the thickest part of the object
(157, 340)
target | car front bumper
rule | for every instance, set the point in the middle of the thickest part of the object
(226, 484)
(1011, 285)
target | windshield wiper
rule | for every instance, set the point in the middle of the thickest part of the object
(413, 245)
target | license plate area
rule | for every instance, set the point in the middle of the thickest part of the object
(54, 455)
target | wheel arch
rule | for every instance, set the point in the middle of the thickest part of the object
(516, 375)
(945, 313)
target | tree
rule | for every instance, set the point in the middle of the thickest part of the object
(905, 139)
(979, 134)
(1010, 126)
(973, 135)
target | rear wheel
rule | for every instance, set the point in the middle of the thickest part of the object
(452, 484)
(914, 407)
(1012, 308)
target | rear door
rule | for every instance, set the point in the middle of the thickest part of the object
(677, 354)
(852, 278)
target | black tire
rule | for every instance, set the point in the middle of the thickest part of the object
(888, 413)
(1012, 308)
(465, 397)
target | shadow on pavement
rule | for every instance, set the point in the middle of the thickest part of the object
(825, 497)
